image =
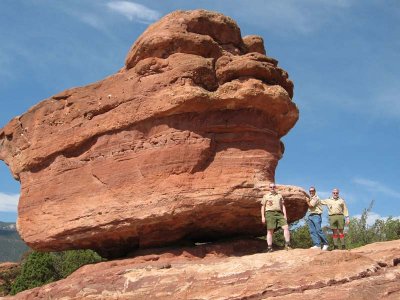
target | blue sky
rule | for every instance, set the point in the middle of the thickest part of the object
(343, 56)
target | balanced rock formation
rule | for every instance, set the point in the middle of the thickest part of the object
(237, 271)
(179, 144)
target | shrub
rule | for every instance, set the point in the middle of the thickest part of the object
(359, 233)
(40, 268)
(7, 277)
(67, 262)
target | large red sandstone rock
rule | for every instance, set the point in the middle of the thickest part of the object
(177, 145)
(237, 271)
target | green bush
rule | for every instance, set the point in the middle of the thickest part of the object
(358, 234)
(7, 277)
(300, 237)
(40, 268)
(68, 262)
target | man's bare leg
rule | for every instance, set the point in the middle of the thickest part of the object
(270, 233)
(335, 237)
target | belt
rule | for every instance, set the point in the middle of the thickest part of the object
(314, 214)
(337, 215)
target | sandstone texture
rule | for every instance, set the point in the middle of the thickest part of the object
(179, 144)
(236, 270)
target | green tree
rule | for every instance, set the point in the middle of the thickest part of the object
(386, 230)
(300, 236)
(67, 262)
(278, 240)
(40, 268)
(360, 233)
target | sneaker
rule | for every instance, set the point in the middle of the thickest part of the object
(335, 247)
(316, 247)
(270, 249)
(325, 247)
(343, 247)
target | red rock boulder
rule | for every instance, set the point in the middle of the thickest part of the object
(177, 145)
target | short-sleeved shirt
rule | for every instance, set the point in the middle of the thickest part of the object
(336, 206)
(316, 205)
(272, 201)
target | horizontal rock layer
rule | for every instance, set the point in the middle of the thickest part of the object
(179, 144)
(236, 270)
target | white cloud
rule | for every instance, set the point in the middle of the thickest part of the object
(134, 11)
(92, 20)
(102, 14)
(375, 186)
(373, 216)
(292, 16)
(8, 203)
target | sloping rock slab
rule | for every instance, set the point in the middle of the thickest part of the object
(236, 270)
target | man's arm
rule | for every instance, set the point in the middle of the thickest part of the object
(324, 202)
(309, 202)
(312, 202)
(283, 208)
(263, 212)
(346, 213)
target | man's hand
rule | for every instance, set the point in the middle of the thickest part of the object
(347, 220)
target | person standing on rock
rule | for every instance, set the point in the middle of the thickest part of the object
(314, 221)
(273, 214)
(337, 211)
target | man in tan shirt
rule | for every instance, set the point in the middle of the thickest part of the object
(314, 220)
(273, 214)
(337, 211)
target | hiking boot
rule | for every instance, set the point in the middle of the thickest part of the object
(343, 247)
(335, 247)
(270, 249)
(325, 247)
(316, 247)
(287, 247)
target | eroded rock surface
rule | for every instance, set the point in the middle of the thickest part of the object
(237, 270)
(179, 144)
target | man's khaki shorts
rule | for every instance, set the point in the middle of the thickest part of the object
(336, 221)
(274, 219)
